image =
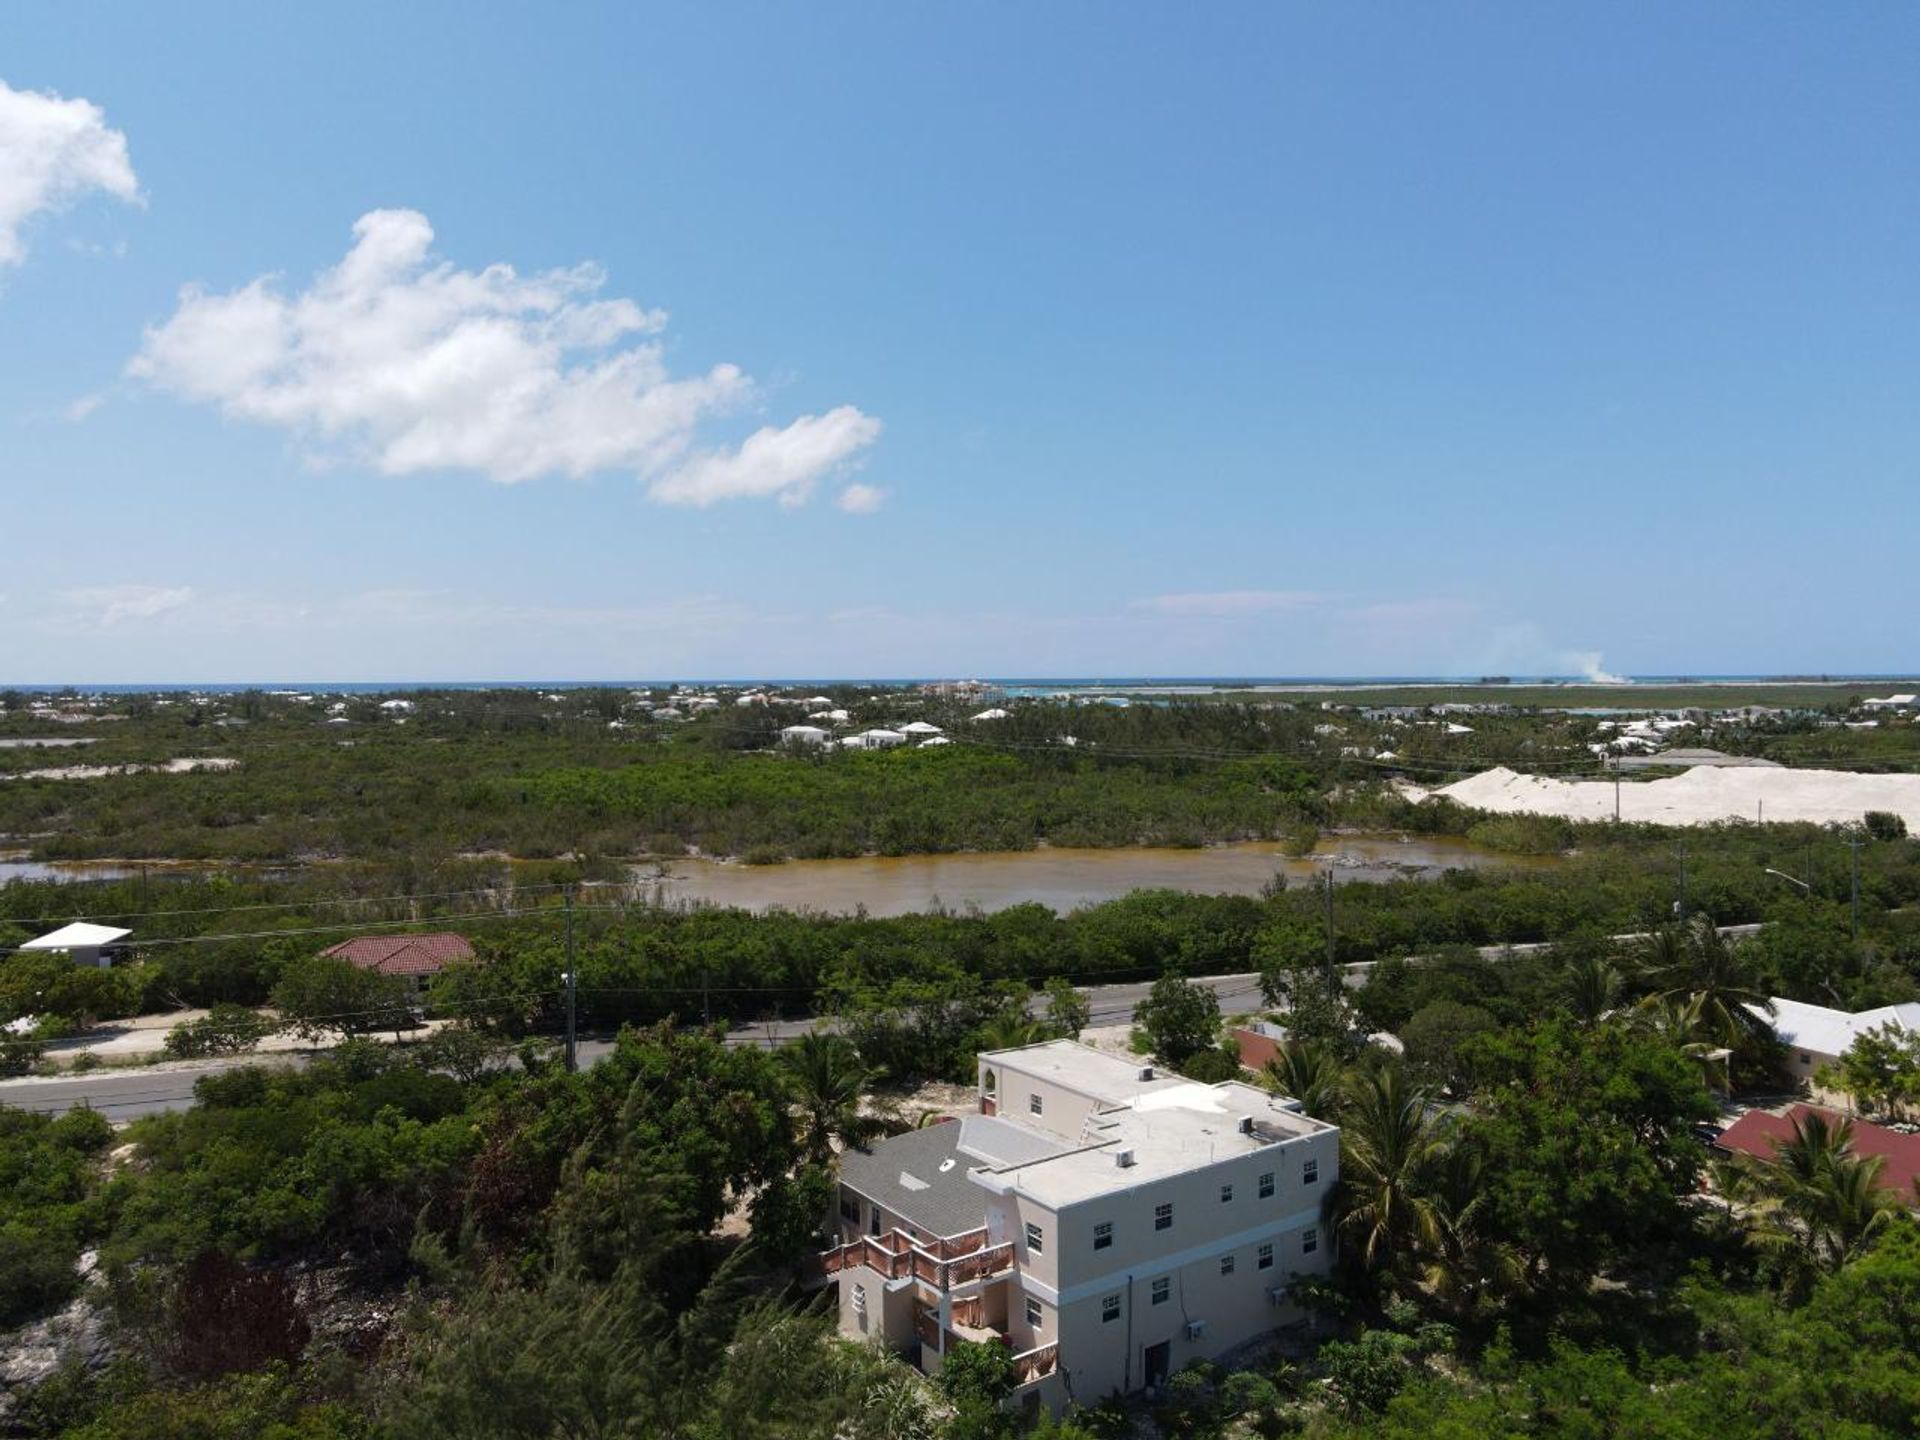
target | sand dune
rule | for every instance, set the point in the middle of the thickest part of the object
(1699, 797)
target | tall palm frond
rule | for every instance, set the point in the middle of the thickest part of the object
(1593, 988)
(1308, 1072)
(827, 1080)
(1389, 1140)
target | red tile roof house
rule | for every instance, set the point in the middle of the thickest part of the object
(1759, 1133)
(419, 957)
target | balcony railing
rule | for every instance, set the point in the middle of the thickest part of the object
(942, 1264)
(1036, 1364)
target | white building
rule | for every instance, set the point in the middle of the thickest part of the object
(874, 740)
(803, 735)
(1109, 1223)
(1893, 702)
(1816, 1035)
(84, 943)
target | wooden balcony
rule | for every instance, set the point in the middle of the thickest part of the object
(940, 1264)
(1036, 1364)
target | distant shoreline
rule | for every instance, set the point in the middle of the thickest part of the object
(1035, 685)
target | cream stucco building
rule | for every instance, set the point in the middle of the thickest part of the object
(1107, 1222)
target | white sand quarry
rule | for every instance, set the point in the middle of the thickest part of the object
(1699, 797)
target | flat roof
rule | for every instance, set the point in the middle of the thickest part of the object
(1082, 1069)
(1180, 1127)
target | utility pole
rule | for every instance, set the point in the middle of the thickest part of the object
(1616, 792)
(572, 989)
(1330, 990)
(1682, 902)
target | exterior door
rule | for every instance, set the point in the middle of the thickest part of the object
(1155, 1364)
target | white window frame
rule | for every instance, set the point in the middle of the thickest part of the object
(1036, 1239)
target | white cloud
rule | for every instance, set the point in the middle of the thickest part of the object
(1223, 604)
(401, 360)
(80, 409)
(783, 462)
(101, 607)
(53, 151)
(858, 499)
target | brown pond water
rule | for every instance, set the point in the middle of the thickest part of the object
(1060, 879)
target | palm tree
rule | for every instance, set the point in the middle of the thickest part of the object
(1696, 962)
(1469, 1263)
(1593, 988)
(1011, 1029)
(1389, 1142)
(1308, 1072)
(1683, 1022)
(827, 1080)
(1816, 1199)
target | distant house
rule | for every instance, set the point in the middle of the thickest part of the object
(84, 943)
(1893, 702)
(417, 957)
(803, 735)
(1760, 1134)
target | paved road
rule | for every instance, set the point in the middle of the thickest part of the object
(127, 1095)
(123, 1095)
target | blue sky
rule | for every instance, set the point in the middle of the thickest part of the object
(909, 340)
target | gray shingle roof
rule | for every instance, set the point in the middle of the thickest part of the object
(920, 1176)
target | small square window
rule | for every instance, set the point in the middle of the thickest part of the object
(1226, 1194)
(1109, 1309)
(1266, 1186)
(1163, 1217)
(1035, 1239)
(1226, 1264)
(1805, 1059)
(850, 1209)
(1033, 1312)
(1035, 1104)
(1103, 1235)
(1265, 1260)
(1310, 1172)
(1162, 1289)
(1309, 1240)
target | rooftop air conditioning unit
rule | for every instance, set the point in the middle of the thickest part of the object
(1246, 1125)
(1123, 1158)
(1196, 1328)
(1146, 1072)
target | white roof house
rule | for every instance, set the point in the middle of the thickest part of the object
(874, 740)
(1893, 702)
(919, 727)
(935, 740)
(1819, 1030)
(994, 714)
(84, 942)
(79, 935)
(803, 734)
